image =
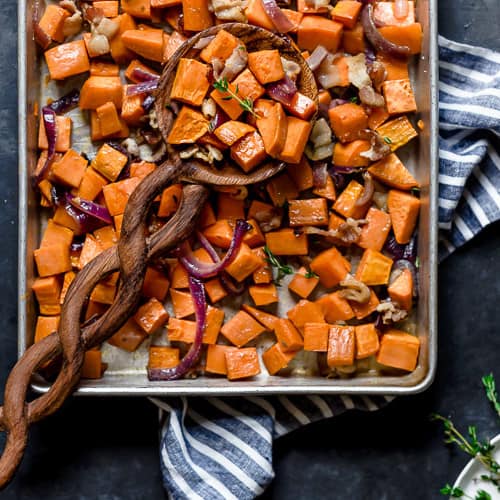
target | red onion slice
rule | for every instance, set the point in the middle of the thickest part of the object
(376, 39)
(66, 102)
(320, 175)
(90, 208)
(316, 58)
(278, 18)
(49, 123)
(337, 102)
(282, 90)
(143, 87)
(203, 270)
(197, 290)
(401, 264)
(139, 75)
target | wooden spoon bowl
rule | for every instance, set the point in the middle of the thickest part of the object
(255, 39)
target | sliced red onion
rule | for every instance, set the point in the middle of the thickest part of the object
(401, 9)
(368, 190)
(90, 208)
(345, 170)
(320, 175)
(207, 246)
(370, 55)
(66, 102)
(339, 179)
(282, 90)
(219, 119)
(376, 39)
(148, 102)
(197, 290)
(203, 270)
(316, 58)
(337, 102)
(393, 248)
(86, 223)
(49, 123)
(142, 88)
(278, 18)
(368, 96)
(140, 75)
(203, 42)
(380, 325)
(401, 264)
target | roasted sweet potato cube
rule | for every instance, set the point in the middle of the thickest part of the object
(188, 127)
(151, 316)
(403, 209)
(190, 84)
(391, 171)
(231, 106)
(248, 86)
(109, 162)
(185, 331)
(346, 12)
(129, 337)
(375, 231)
(346, 202)
(63, 138)
(147, 43)
(110, 8)
(263, 295)
(297, 136)
(70, 168)
(288, 335)
(119, 52)
(316, 30)
(244, 264)
(401, 290)
(221, 47)
(349, 154)
(275, 358)
(216, 358)
(155, 284)
(363, 310)
(45, 325)
(91, 184)
(242, 363)
(286, 242)
(347, 120)
(241, 329)
(281, 189)
(161, 356)
(335, 307)
(409, 35)
(303, 283)
(47, 291)
(353, 40)
(374, 268)
(219, 234)
(367, 343)
(311, 212)
(67, 59)
(182, 303)
(301, 174)
(331, 267)
(98, 90)
(232, 131)
(116, 194)
(305, 312)
(52, 259)
(399, 97)
(266, 65)
(109, 121)
(399, 350)
(93, 367)
(341, 346)
(249, 151)
(170, 200)
(397, 132)
(265, 318)
(316, 337)
(137, 8)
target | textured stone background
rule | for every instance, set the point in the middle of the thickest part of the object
(107, 448)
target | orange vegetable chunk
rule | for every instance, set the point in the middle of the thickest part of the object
(311, 212)
(316, 30)
(98, 90)
(109, 162)
(399, 350)
(63, 138)
(116, 195)
(374, 268)
(45, 325)
(265, 318)
(170, 199)
(109, 120)
(409, 35)
(241, 329)
(137, 8)
(401, 290)
(367, 343)
(47, 291)
(221, 47)
(232, 131)
(67, 59)
(216, 358)
(129, 337)
(281, 189)
(301, 174)
(396, 69)
(52, 22)
(348, 155)
(399, 97)
(266, 65)
(151, 316)
(331, 267)
(391, 171)
(273, 126)
(119, 52)
(52, 259)
(92, 365)
(244, 264)
(230, 208)
(188, 127)
(374, 233)
(161, 356)
(363, 310)
(305, 312)
(275, 358)
(263, 295)
(242, 363)
(341, 346)
(248, 86)
(249, 151)
(110, 8)
(347, 120)
(171, 44)
(70, 168)
(147, 43)
(335, 307)
(316, 337)
(302, 285)
(182, 303)
(155, 285)
(346, 202)
(197, 15)
(296, 139)
(288, 335)
(190, 84)
(403, 209)
(257, 15)
(301, 106)
(286, 242)
(353, 40)
(346, 12)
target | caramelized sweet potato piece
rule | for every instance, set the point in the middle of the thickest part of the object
(221, 47)
(316, 337)
(190, 84)
(151, 316)
(341, 346)
(288, 335)
(242, 363)
(374, 268)
(303, 283)
(67, 59)
(216, 358)
(188, 127)
(249, 151)
(316, 30)
(367, 343)
(374, 233)
(161, 356)
(403, 209)
(286, 242)
(275, 358)
(399, 350)
(241, 329)
(331, 267)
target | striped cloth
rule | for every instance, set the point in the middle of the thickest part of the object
(214, 448)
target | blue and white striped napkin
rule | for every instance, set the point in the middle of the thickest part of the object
(214, 448)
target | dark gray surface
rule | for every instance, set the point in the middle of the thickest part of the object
(107, 448)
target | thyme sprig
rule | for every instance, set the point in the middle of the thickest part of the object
(283, 269)
(491, 391)
(222, 85)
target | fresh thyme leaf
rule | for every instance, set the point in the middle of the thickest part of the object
(417, 262)
(482, 495)
(449, 491)
(354, 99)
(283, 269)
(491, 391)
(387, 140)
(310, 274)
(222, 85)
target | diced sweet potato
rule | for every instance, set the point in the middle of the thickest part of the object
(103, 293)
(263, 295)
(409, 35)
(391, 171)
(102, 68)
(171, 44)
(90, 250)
(109, 162)
(335, 307)
(396, 69)
(91, 184)
(45, 325)
(286, 242)
(377, 117)
(316, 30)
(346, 12)
(132, 110)
(363, 310)
(188, 127)
(316, 337)
(67, 59)
(347, 120)
(367, 343)
(328, 191)
(375, 231)
(301, 174)
(353, 40)
(129, 337)
(266, 66)
(241, 329)
(92, 362)
(248, 86)
(229, 207)
(98, 90)
(399, 97)
(232, 131)
(348, 155)
(303, 283)
(249, 151)
(294, 17)
(137, 8)
(56, 234)
(399, 350)
(119, 52)
(331, 267)
(161, 356)
(197, 15)
(305, 312)
(397, 132)
(272, 126)
(244, 264)
(311, 212)
(301, 106)
(216, 358)
(156, 284)
(182, 303)
(257, 15)
(221, 47)
(146, 43)
(374, 268)
(170, 199)
(346, 202)
(136, 64)
(63, 138)
(190, 84)
(219, 234)
(230, 106)
(281, 189)
(70, 168)
(47, 291)
(215, 290)
(341, 346)
(242, 363)
(52, 22)
(403, 209)
(110, 8)
(275, 358)
(296, 139)
(52, 259)
(401, 290)
(151, 316)
(109, 121)
(288, 335)
(254, 237)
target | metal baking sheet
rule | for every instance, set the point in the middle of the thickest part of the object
(126, 374)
